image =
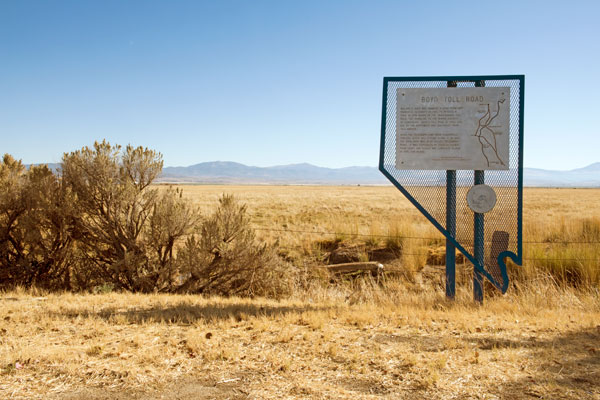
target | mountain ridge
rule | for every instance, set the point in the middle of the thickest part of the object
(230, 172)
(305, 173)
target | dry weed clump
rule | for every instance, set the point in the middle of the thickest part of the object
(226, 259)
(568, 250)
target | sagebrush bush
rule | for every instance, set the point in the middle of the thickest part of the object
(226, 259)
(100, 223)
(36, 246)
(113, 206)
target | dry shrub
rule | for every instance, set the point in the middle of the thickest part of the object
(102, 225)
(227, 259)
(35, 241)
(125, 230)
(171, 220)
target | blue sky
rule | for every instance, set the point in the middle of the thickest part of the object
(279, 82)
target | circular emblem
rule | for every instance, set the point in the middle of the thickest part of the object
(481, 198)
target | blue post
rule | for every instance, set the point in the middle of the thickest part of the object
(451, 228)
(479, 233)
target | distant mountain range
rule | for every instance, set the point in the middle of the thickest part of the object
(231, 172)
(227, 172)
(581, 177)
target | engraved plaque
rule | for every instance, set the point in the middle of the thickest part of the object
(452, 128)
(481, 198)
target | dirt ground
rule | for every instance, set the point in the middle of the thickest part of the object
(125, 346)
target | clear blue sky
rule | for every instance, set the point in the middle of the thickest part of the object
(279, 82)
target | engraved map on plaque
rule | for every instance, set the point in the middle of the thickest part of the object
(452, 128)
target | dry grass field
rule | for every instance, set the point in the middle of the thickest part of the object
(354, 339)
(559, 224)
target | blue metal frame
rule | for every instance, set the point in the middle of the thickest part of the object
(451, 227)
(516, 258)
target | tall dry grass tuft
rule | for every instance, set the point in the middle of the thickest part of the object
(566, 250)
(523, 297)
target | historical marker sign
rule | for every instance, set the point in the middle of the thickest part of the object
(453, 145)
(452, 128)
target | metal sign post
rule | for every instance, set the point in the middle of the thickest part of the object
(451, 227)
(464, 133)
(478, 240)
(478, 235)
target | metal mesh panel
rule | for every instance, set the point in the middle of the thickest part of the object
(428, 187)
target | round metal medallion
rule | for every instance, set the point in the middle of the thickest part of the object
(481, 198)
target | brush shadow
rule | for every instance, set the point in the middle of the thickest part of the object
(184, 313)
(573, 373)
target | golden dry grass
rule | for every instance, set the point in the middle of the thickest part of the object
(355, 339)
(337, 343)
(553, 220)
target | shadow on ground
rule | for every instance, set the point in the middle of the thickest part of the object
(185, 313)
(567, 367)
(185, 390)
(564, 367)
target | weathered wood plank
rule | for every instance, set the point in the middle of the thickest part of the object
(374, 268)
